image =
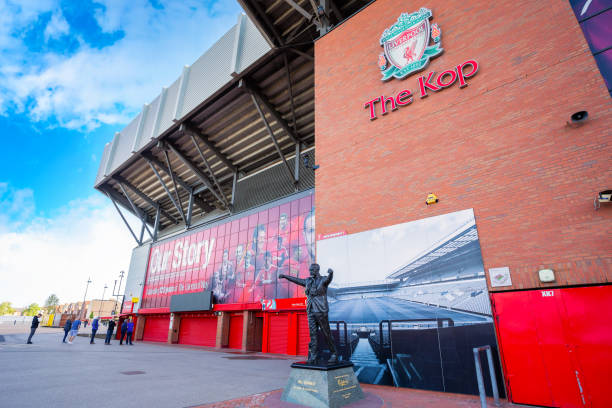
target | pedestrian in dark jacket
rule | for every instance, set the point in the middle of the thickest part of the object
(130, 332)
(123, 332)
(109, 331)
(94, 329)
(33, 327)
(67, 327)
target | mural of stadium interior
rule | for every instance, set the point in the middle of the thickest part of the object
(409, 302)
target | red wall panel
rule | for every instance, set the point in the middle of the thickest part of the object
(556, 345)
(156, 328)
(235, 332)
(199, 331)
(277, 337)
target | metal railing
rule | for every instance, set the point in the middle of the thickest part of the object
(480, 378)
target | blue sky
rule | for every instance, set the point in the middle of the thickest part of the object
(72, 73)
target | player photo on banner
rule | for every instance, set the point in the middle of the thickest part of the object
(239, 259)
(409, 302)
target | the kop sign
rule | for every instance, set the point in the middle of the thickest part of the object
(408, 45)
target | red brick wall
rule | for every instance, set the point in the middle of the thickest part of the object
(500, 145)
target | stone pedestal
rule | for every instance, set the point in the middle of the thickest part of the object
(322, 386)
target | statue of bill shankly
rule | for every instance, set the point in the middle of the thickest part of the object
(317, 310)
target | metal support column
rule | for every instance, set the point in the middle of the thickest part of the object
(123, 218)
(234, 182)
(480, 378)
(137, 212)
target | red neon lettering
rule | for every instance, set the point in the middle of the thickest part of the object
(384, 104)
(462, 75)
(401, 97)
(450, 72)
(426, 84)
(372, 107)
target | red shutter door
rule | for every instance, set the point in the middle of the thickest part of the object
(198, 330)
(589, 313)
(156, 328)
(303, 337)
(279, 328)
(541, 367)
(235, 332)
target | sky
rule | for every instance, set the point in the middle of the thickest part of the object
(72, 73)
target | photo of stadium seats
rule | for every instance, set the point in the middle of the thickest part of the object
(409, 302)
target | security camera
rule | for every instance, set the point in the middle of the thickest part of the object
(578, 118)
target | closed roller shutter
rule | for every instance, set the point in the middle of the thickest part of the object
(279, 327)
(235, 333)
(303, 337)
(156, 328)
(198, 330)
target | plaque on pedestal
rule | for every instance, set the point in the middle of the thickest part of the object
(322, 385)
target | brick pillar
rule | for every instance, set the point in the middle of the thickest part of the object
(223, 320)
(173, 330)
(248, 330)
(139, 328)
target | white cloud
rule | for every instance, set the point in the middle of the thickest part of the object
(57, 26)
(106, 85)
(57, 254)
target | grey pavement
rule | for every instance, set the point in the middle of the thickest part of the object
(50, 373)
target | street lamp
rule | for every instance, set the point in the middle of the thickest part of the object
(102, 301)
(121, 274)
(84, 296)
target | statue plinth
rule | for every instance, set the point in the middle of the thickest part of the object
(322, 385)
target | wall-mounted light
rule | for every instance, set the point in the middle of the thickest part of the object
(546, 275)
(602, 197)
(431, 199)
(307, 164)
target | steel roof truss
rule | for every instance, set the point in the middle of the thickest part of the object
(152, 159)
(146, 198)
(122, 217)
(303, 12)
(190, 130)
(271, 133)
(170, 195)
(212, 174)
(195, 170)
(178, 196)
(270, 108)
(140, 213)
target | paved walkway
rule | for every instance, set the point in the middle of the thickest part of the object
(50, 373)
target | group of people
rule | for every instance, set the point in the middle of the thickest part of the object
(127, 330)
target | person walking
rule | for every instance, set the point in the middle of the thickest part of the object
(109, 331)
(74, 330)
(130, 331)
(94, 329)
(33, 327)
(123, 331)
(67, 327)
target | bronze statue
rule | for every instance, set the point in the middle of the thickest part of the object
(317, 310)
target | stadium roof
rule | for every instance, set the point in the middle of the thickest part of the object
(246, 104)
(450, 245)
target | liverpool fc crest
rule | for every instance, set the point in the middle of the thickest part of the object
(406, 45)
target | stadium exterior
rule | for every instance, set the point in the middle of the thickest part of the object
(466, 105)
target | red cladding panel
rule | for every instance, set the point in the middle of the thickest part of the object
(279, 327)
(199, 331)
(525, 371)
(156, 328)
(589, 313)
(235, 332)
(557, 345)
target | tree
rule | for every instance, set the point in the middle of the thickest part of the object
(51, 302)
(31, 310)
(91, 315)
(6, 309)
